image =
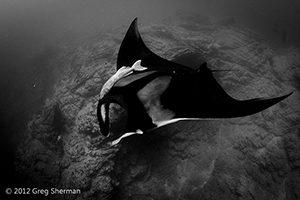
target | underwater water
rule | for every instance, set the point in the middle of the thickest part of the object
(56, 55)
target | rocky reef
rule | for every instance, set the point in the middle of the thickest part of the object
(254, 157)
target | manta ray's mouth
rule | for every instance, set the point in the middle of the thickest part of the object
(117, 119)
(112, 116)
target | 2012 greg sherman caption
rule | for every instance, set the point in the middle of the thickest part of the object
(45, 192)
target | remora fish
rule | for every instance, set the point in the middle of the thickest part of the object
(153, 92)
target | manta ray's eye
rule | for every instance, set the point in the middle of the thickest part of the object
(117, 119)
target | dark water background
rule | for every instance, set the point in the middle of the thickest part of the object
(29, 28)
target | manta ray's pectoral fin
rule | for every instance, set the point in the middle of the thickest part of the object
(252, 106)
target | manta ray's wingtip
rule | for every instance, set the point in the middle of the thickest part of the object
(253, 106)
(280, 98)
(127, 54)
(134, 24)
(287, 95)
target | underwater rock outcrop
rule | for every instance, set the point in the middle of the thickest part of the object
(254, 157)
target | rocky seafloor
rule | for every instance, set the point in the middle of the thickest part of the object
(254, 157)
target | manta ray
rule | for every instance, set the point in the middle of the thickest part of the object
(153, 92)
